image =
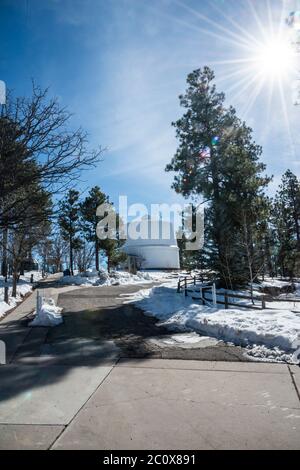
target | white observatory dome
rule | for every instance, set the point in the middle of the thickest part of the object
(154, 243)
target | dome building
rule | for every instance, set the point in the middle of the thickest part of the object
(151, 244)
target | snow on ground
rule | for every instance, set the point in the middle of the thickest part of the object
(269, 282)
(258, 295)
(92, 278)
(184, 338)
(23, 288)
(266, 334)
(48, 315)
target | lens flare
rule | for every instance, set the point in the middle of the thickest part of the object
(215, 140)
(275, 59)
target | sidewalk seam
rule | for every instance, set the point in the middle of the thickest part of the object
(88, 399)
(33, 424)
(294, 383)
(20, 345)
(201, 370)
(58, 436)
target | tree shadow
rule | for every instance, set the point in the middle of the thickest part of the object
(98, 335)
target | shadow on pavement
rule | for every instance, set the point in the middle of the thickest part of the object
(96, 335)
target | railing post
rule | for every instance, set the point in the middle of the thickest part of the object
(178, 286)
(201, 296)
(194, 280)
(263, 303)
(38, 302)
(226, 300)
(185, 287)
(214, 295)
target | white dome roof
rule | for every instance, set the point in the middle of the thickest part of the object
(147, 232)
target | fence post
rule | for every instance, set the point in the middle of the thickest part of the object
(194, 280)
(38, 302)
(263, 303)
(6, 298)
(214, 295)
(226, 300)
(178, 286)
(202, 296)
(185, 287)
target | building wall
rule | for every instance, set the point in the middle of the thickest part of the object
(156, 257)
(158, 249)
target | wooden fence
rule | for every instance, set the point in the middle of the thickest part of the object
(185, 283)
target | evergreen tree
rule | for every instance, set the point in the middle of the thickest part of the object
(69, 223)
(286, 220)
(28, 232)
(218, 161)
(90, 220)
(111, 248)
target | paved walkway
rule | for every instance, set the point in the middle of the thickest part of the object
(13, 328)
(153, 404)
(97, 382)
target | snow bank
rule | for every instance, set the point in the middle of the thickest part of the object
(92, 278)
(265, 333)
(48, 315)
(23, 288)
(269, 282)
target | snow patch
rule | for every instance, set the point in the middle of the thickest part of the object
(23, 288)
(48, 315)
(270, 334)
(187, 338)
(115, 278)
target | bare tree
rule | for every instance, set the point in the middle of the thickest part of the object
(38, 145)
(255, 266)
(84, 257)
(58, 251)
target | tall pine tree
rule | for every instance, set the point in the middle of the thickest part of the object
(218, 161)
(286, 220)
(90, 220)
(69, 222)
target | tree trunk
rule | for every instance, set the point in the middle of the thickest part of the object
(270, 266)
(97, 255)
(4, 252)
(15, 281)
(295, 215)
(297, 228)
(71, 256)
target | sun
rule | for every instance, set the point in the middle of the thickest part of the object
(274, 59)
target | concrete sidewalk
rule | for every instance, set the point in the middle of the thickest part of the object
(153, 404)
(74, 387)
(13, 327)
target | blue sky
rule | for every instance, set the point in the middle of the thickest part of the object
(119, 66)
